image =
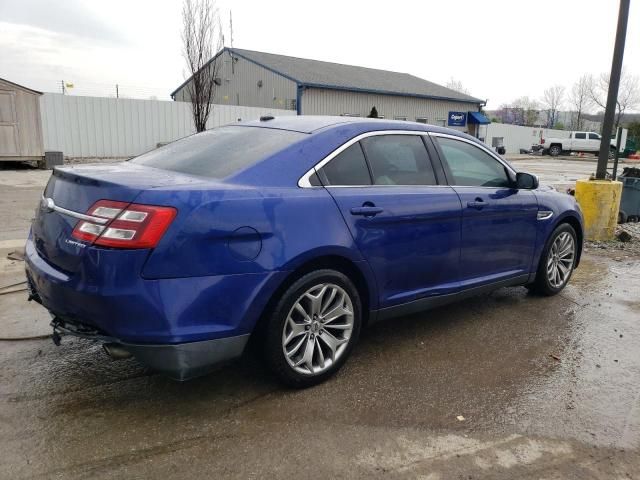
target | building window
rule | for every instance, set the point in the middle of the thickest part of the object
(400, 118)
(422, 120)
(442, 122)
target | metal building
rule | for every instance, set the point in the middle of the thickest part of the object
(312, 87)
(20, 127)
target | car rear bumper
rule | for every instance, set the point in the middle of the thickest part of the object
(178, 361)
(180, 326)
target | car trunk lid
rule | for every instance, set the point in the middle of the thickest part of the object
(71, 192)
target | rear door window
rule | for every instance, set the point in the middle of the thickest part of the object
(220, 152)
(398, 160)
(580, 136)
(347, 168)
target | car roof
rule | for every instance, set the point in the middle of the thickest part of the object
(313, 123)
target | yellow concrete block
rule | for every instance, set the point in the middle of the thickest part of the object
(600, 202)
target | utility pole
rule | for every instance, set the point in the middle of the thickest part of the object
(231, 28)
(612, 95)
(62, 85)
(117, 92)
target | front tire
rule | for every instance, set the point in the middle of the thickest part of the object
(313, 328)
(555, 150)
(557, 262)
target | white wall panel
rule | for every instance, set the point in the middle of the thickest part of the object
(97, 127)
(516, 137)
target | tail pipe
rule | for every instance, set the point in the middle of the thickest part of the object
(115, 351)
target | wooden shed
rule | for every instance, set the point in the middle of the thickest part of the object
(20, 124)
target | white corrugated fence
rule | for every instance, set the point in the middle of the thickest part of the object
(98, 127)
(516, 137)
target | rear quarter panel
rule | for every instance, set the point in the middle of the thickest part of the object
(246, 230)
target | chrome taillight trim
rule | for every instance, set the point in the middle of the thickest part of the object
(48, 205)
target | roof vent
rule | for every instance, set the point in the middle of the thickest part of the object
(266, 118)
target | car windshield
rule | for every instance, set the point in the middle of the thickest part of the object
(220, 152)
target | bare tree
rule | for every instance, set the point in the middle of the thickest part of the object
(552, 99)
(580, 100)
(529, 108)
(628, 94)
(456, 85)
(201, 33)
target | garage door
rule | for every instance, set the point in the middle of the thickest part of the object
(8, 124)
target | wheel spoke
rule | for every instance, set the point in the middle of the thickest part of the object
(297, 329)
(300, 309)
(294, 350)
(320, 353)
(341, 326)
(307, 357)
(327, 303)
(332, 342)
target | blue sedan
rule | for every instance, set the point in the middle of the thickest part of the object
(296, 231)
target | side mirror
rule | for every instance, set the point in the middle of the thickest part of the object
(526, 181)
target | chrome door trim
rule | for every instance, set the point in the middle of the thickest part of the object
(48, 205)
(304, 182)
(481, 146)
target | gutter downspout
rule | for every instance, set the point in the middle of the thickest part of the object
(299, 91)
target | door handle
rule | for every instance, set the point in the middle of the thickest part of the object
(478, 204)
(366, 211)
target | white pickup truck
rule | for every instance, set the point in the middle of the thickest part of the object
(577, 142)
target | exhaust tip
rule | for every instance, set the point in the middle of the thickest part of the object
(116, 351)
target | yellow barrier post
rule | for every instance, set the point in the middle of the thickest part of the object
(600, 203)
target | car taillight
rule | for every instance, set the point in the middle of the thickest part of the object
(127, 225)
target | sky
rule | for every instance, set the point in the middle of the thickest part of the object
(499, 50)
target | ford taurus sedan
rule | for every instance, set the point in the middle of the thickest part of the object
(296, 231)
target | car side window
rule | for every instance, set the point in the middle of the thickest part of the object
(580, 136)
(471, 166)
(594, 136)
(347, 168)
(398, 160)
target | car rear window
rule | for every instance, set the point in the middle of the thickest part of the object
(220, 152)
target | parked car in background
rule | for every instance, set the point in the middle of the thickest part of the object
(298, 231)
(577, 142)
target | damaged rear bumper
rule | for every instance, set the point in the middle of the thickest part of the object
(180, 361)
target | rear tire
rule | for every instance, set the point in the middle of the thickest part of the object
(555, 150)
(557, 262)
(622, 217)
(313, 328)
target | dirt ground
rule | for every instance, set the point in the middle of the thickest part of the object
(502, 386)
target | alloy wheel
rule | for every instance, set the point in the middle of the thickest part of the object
(318, 328)
(561, 259)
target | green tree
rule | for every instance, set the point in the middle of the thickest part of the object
(559, 126)
(634, 131)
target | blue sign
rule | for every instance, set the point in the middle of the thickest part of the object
(457, 119)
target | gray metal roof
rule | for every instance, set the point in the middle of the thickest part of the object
(315, 73)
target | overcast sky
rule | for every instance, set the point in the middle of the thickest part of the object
(499, 50)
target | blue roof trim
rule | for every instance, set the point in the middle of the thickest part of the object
(477, 101)
(479, 118)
